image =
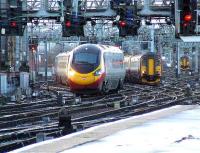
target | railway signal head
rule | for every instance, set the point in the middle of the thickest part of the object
(73, 26)
(188, 15)
(122, 24)
(13, 24)
(68, 24)
(128, 28)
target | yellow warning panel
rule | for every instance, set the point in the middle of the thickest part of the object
(184, 62)
(151, 67)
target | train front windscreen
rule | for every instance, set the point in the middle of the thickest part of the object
(86, 59)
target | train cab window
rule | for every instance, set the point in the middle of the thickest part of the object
(144, 61)
(86, 58)
(158, 60)
(86, 54)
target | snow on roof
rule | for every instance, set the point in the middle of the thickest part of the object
(190, 38)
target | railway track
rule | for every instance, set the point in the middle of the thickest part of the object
(21, 123)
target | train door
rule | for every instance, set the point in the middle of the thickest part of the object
(109, 69)
(116, 65)
(127, 67)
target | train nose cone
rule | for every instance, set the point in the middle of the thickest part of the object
(83, 79)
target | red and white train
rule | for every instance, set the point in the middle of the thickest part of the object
(91, 67)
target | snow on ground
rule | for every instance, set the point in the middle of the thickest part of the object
(176, 134)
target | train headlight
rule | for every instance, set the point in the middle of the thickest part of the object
(71, 73)
(143, 72)
(98, 72)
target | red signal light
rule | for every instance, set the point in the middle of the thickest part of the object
(122, 23)
(33, 47)
(13, 24)
(68, 24)
(188, 17)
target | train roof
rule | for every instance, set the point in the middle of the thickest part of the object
(62, 54)
(103, 48)
(140, 55)
(109, 47)
(184, 56)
